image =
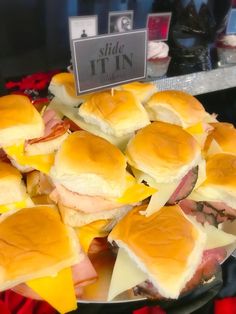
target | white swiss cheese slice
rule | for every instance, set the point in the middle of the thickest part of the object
(160, 198)
(214, 148)
(72, 113)
(125, 276)
(201, 173)
(217, 238)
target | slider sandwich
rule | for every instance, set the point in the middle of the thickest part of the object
(163, 255)
(91, 181)
(166, 157)
(215, 199)
(38, 250)
(179, 108)
(221, 139)
(62, 86)
(13, 193)
(143, 91)
(115, 116)
(29, 139)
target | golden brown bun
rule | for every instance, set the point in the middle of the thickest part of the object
(12, 188)
(220, 183)
(225, 136)
(62, 86)
(88, 164)
(116, 115)
(19, 120)
(35, 243)
(143, 91)
(163, 151)
(167, 246)
(175, 107)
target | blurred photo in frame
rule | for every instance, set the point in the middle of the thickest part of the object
(158, 25)
(231, 26)
(120, 21)
(83, 26)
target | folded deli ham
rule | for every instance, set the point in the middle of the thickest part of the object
(212, 212)
(54, 127)
(207, 268)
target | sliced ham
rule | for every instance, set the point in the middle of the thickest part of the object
(207, 268)
(54, 127)
(185, 187)
(84, 273)
(85, 203)
(212, 212)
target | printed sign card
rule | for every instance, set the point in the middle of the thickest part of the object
(120, 21)
(158, 25)
(231, 26)
(83, 26)
(108, 60)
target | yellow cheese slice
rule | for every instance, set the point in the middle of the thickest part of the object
(136, 193)
(17, 205)
(42, 163)
(90, 231)
(195, 129)
(58, 291)
(125, 276)
(216, 237)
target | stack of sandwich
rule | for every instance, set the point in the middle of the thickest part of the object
(119, 191)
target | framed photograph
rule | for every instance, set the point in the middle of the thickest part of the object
(120, 21)
(158, 25)
(83, 26)
(231, 26)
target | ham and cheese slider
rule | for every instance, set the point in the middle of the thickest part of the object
(166, 254)
(39, 250)
(155, 249)
(29, 139)
(62, 86)
(12, 189)
(179, 108)
(215, 199)
(166, 157)
(221, 139)
(91, 181)
(142, 90)
(114, 117)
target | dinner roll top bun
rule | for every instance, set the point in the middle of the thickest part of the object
(175, 107)
(220, 183)
(12, 188)
(35, 243)
(163, 151)
(167, 246)
(19, 120)
(118, 114)
(143, 91)
(222, 138)
(88, 164)
(62, 86)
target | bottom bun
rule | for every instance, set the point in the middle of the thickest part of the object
(76, 218)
